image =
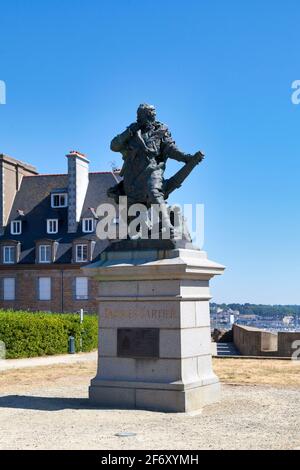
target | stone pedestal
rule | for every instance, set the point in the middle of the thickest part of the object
(154, 330)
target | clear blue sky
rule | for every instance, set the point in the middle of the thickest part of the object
(220, 74)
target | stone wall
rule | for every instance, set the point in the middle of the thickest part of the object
(247, 340)
(254, 342)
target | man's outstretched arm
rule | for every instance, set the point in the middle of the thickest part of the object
(170, 150)
(173, 152)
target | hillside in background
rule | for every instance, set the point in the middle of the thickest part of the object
(260, 310)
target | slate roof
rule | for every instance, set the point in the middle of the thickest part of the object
(34, 199)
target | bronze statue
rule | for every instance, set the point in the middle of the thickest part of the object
(145, 146)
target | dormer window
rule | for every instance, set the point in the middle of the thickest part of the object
(16, 227)
(82, 250)
(52, 225)
(88, 225)
(45, 253)
(81, 253)
(46, 250)
(59, 200)
(10, 251)
(9, 254)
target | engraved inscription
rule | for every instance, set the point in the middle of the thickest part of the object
(138, 342)
(143, 313)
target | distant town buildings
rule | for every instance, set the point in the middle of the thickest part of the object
(222, 317)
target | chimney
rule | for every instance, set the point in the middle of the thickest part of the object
(78, 180)
(11, 174)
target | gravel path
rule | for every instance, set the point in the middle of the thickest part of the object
(7, 364)
(58, 416)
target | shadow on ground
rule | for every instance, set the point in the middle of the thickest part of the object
(44, 403)
(28, 402)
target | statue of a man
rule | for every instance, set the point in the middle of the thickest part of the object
(145, 146)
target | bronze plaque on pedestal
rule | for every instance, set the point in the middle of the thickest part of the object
(138, 342)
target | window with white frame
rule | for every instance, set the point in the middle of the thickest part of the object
(16, 227)
(59, 200)
(45, 288)
(9, 254)
(81, 253)
(9, 288)
(52, 225)
(45, 253)
(81, 288)
(87, 225)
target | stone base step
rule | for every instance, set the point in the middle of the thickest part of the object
(227, 349)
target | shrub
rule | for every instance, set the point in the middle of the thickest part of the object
(40, 334)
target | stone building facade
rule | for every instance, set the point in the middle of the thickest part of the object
(47, 233)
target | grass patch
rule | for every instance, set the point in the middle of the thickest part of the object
(258, 371)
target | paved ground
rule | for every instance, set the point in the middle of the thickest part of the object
(47, 360)
(47, 408)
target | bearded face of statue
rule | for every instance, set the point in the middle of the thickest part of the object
(146, 115)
